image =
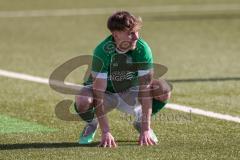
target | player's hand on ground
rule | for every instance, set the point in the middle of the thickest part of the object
(145, 139)
(107, 140)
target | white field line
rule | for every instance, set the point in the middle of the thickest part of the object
(203, 112)
(178, 107)
(101, 11)
(36, 79)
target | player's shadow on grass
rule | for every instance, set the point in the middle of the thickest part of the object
(204, 79)
(127, 143)
(44, 145)
(57, 145)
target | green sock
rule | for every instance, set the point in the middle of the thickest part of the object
(157, 106)
(86, 116)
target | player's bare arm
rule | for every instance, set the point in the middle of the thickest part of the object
(99, 87)
(145, 98)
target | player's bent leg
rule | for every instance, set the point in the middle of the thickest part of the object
(128, 103)
(161, 92)
(84, 107)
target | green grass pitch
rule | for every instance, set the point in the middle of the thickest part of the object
(195, 46)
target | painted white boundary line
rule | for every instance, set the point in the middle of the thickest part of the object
(203, 112)
(187, 109)
(27, 77)
(22, 76)
(101, 11)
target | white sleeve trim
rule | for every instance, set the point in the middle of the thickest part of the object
(99, 75)
(143, 72)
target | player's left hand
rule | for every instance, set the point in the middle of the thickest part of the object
(107, 141)
(145, 139)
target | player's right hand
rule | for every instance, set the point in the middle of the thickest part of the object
(107, 140)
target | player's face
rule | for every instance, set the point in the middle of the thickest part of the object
(126, 40)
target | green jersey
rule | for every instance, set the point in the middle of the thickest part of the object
(120, 69)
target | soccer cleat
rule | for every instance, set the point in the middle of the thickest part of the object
(137, 126)
(88, 133)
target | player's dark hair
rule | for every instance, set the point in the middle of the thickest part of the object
(123, 20)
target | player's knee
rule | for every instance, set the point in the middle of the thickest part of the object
(166, 96)
(163, 97)
(83, 103)
(161, 90)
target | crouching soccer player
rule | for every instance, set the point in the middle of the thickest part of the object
(121, 77)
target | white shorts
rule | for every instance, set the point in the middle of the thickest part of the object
(126, 101)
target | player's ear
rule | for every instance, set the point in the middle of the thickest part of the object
(115, 35)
